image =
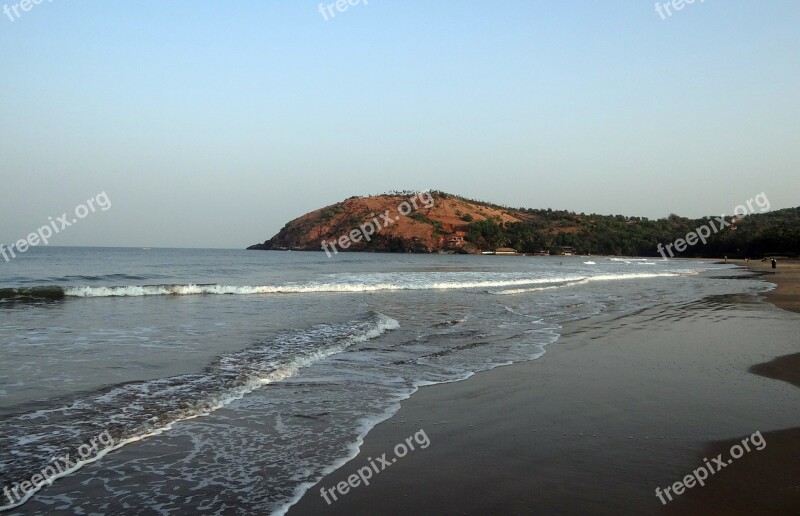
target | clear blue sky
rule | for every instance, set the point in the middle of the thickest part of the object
(211, 124)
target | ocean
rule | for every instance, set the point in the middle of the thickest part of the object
(231, 381)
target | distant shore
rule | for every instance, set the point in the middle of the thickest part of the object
(618, 407)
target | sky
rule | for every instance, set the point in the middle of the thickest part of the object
(212, 124)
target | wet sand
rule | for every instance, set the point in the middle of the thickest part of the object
(786, 368)
(768, 482)
(787, 278)
(616, 408)
(759, 483)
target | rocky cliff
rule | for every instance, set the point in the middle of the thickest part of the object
(398, 222)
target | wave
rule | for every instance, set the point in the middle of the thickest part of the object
(32, 293)
(540, 289)
(186, 290)
(134, 411)
(451, 322)
(58, 292)
(191, 289)
(601, 277)
(56, 280)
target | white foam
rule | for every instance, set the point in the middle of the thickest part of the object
(525, 285)
(367, 424)
(383, 324)
(540, 289)
(601, 277)
(191, 289)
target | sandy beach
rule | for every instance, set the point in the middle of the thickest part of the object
(615, 409)
(787, 278)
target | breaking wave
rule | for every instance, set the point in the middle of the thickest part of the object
(583, 281)
(523, 284)
(137, 410)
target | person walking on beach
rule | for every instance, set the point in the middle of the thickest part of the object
(774, 263)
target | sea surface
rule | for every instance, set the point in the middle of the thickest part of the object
(232, 381)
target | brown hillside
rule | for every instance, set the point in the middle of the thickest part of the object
(439, 222)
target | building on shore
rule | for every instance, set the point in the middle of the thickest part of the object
(505, 250)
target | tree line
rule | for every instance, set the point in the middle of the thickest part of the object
(755, 235)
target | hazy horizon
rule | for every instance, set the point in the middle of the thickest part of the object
(211, 127)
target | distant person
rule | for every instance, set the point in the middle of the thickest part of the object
(726, 259)
(746, 261)
(774, 263)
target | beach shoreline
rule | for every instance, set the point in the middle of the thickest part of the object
(786, 277)
(617, 407)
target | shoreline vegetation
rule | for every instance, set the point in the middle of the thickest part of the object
(616, 408)
(457, 225)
